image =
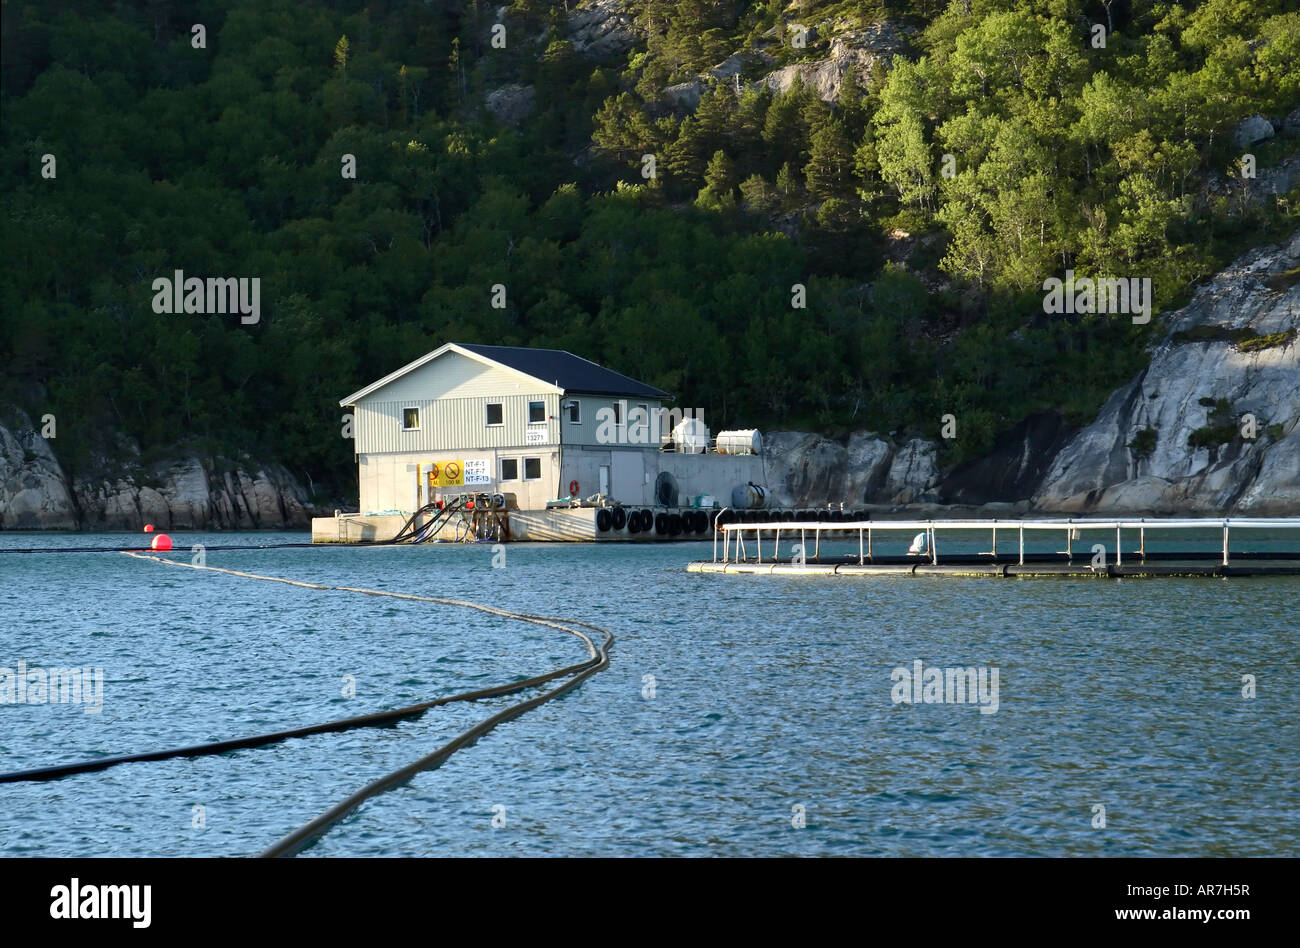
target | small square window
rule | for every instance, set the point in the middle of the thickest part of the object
(410, 419)
(536, 413)
(509, 469)
(532, 469)
(494, 416)
(575, 412)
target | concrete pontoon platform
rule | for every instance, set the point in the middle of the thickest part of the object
(1182, 568)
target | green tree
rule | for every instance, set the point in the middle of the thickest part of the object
(829, 172)
(719, 191)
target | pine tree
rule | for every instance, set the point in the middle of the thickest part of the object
(719, 191)
(788, 185)
(783, 128)
(830, 163)
(758, 195)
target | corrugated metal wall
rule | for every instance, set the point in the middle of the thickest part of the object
(588, 430)
(448, 424)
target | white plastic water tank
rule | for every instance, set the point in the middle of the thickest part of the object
(691, 436)
(744, 441)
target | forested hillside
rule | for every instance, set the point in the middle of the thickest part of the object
(970, 151)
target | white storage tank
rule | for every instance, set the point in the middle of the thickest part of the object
(744, 441)
(691, 436)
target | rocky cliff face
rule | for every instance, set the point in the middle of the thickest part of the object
(855, 51)
(810, 470)
(850, 51)
(601, 28)
(1210, 426)
(185, 493)
(33, 491)
(1208, 429)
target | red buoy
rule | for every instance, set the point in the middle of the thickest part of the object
(148, 528)
(162, 542)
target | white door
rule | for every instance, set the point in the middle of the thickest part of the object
(629, 476)
(604, 479)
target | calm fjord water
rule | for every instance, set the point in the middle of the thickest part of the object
(768, 693)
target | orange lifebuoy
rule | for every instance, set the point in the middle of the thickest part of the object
(573, 488)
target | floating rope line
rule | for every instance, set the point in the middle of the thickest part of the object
(136, 548)
(598, 659)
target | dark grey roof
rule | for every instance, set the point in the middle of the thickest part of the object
(570, 372)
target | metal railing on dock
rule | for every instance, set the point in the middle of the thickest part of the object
(733, 535)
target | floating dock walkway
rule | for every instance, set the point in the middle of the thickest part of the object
(1092, 547)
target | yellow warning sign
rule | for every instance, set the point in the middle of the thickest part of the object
(447, 474)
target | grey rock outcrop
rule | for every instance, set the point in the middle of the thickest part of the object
(1250, 130)
(867, 465)
(805, 469)
(182, 493)
(601, 28)
(511, 104)
(33, 493)
(191, 497)
(687, 94)
(913, 473)
(1205, 355)
(855, 51)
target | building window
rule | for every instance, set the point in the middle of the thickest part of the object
(410, 419)
(532, 469)
(575, 412)
(509, 469)
(494, 416)
(536, 413)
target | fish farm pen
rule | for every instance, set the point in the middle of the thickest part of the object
(1048, 547)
